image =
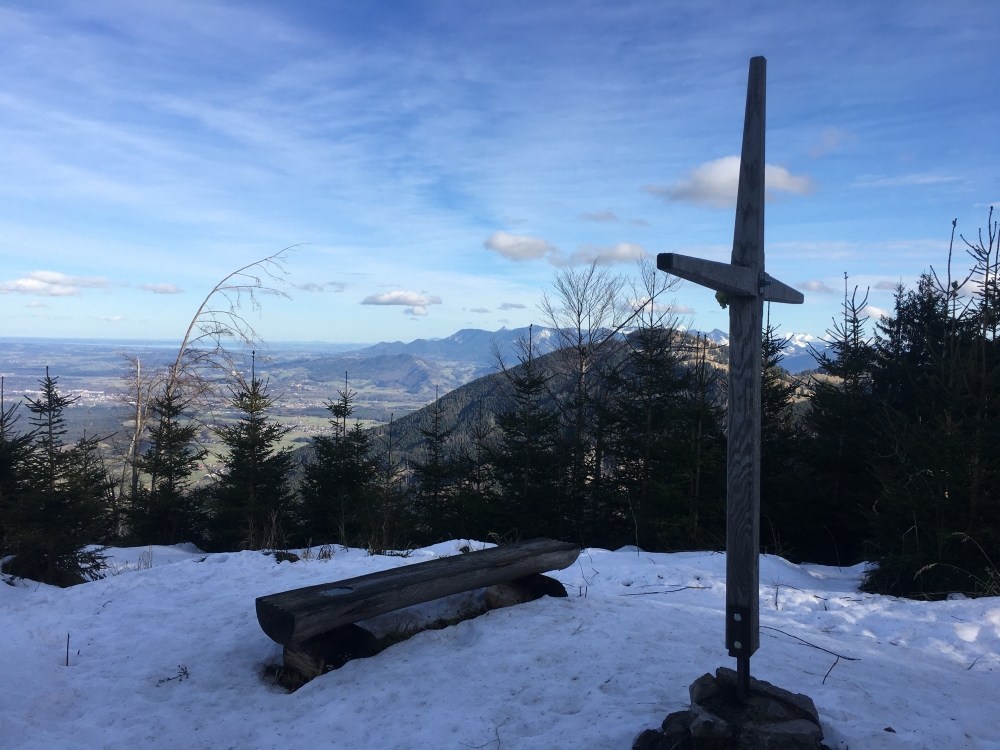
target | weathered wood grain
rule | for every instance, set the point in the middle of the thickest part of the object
(294, 616)
(722, 277)
(743, 464)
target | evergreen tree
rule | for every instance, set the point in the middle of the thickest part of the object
(841, 419)
(527, 465)
(253, 491)
(781, 482)
(703, 451)
(643, 415)
(168, 512)
(62, 508)
(437, 478)
(337, 482)
(933, 527)
(16, 458)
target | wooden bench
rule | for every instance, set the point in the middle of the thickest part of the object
(316, 624)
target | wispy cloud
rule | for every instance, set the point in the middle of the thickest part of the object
(715, 184)
(639, 222)
(924, 178)
(511, 306)
(815, 286)
(51, 284)
(112, 318)
(479, 310)
(310, 286)
(831, 139)
(162, 288)
(600, 217)
(415, 303)
(885, 286)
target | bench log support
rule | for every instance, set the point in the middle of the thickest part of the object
(295, 616)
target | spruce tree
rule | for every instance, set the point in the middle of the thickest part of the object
(933, 526)
(841, 444)
(253, 491)
(16, 459)
(338, 481)
(781, 485)
(643, 415)
(167, 511)
(527, 465)
(63, 506)
(437, 481)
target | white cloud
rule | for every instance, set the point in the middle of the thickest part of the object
(112, 318)
(512, 306)
(36, 303)
(715, 183)
(622, 252)
(162, 288)
(337, 286)
(875, 313)
(53, 277)
(50, 284)
(415, 303)
(518, 247)
(310, 286)
(479, 310)
(816, 286)
(600, 216)
(780, 179)
(830, 140)
(885, 286)
(877, 180)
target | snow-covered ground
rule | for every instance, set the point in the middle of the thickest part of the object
(589, 671)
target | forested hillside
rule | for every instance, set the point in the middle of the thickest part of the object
(612, 434)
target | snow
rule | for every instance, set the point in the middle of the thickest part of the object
(590, 671)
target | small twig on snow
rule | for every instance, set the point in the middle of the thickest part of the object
(669, 591)
(496, 731)
(830, 670)
(813, 645)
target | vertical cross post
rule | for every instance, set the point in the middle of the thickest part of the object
(747, 287)
(743, 414)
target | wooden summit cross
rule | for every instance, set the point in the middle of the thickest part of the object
(747, 287)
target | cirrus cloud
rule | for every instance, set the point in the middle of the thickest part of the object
(511, 306)
(715, 184)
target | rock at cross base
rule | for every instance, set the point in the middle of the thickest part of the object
(771, 719)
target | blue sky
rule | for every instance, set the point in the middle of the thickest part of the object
(443, 160)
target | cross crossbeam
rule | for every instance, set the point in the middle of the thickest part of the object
(737, 281)
(747, 287)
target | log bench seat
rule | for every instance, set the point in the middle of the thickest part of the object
(317, 624)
